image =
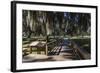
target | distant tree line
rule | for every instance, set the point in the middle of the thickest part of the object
(42, 23)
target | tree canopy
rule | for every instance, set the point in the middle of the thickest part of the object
(42, 23)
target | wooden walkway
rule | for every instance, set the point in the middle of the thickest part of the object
(64, 50)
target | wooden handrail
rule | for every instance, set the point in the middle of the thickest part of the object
(51, 42)
(78, 51)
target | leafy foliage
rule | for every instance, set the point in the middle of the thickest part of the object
(42, 23)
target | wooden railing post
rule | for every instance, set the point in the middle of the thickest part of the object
(46, 51)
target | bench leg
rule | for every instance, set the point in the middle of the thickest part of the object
(30, 50)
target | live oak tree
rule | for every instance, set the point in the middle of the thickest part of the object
(42, 23)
